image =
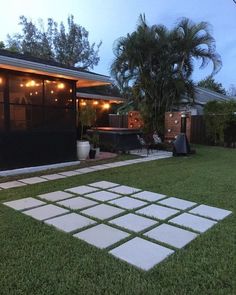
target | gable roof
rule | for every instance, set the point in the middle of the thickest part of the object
(204, 95)
(29, 64)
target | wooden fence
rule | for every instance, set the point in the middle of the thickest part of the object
(198, 130)
(118, 121)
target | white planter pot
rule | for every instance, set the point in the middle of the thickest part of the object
(83, 148)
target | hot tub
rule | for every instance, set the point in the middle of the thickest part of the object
(117, 139)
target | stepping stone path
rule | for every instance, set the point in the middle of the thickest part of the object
(108, 216)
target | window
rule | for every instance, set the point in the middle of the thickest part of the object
(58, 93)
(24, 90)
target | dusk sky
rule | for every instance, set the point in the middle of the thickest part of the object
(108, 20)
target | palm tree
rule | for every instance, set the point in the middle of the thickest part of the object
(158, 64)
(194, 41)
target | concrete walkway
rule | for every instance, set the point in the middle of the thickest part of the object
(38, 179)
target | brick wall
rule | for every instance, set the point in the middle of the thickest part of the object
(134, 120)
(173, 125)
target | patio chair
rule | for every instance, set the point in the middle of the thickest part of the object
(144, 144)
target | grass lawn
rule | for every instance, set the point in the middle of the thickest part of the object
(38, 259)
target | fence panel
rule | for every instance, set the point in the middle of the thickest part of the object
(198, 130)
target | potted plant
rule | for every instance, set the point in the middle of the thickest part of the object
(94, 149)
(87, 116)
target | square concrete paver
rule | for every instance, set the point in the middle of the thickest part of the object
(102, 236)
(33, 180)
(82, 189)
(212, 212)
(157, 211)
(53, 176)
(102, 211)
(70, 222)
(104, 184)
(133, 222)
(99, 167)
(149, 196)
(103, 195)
(177, 203)
(141, 253)
(116, 164)
(171, 235)
(11, 184)
(70, 173)
(84, 170)
(196, 223)
(45, 212)
(128, 203)
(77, 203)
(55, 196)
(125, 190)
(25, 203)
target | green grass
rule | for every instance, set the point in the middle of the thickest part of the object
(37, 259)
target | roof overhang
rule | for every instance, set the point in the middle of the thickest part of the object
(99, 97)
(83, 79)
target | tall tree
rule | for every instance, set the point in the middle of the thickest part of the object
(210, 83)
(2, 45)
(158, 64)
(68, 45)
(195, 42)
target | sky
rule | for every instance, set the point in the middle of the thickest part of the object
(107, 20)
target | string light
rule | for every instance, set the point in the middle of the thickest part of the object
(61, 86)
(30, 84)
(106, 106)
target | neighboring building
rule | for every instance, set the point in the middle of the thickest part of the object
(38, 109)
(195, 126)
(202, 96)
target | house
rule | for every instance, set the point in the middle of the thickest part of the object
(202, 96)
(193, 114)
(38, 109)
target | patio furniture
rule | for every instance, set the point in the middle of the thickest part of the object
(144, 144)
